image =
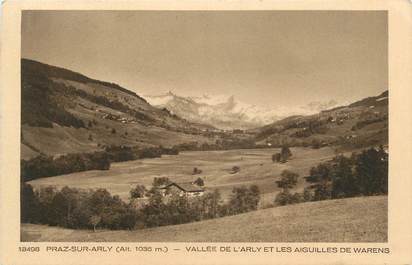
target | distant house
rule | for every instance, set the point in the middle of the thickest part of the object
(183, 189)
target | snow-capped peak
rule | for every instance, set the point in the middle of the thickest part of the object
(226, 112)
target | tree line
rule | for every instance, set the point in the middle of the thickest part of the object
(361, 174)
(98, 209)
(47, 166)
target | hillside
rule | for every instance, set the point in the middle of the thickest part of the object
(357, 125)
(323, 221)
(66, 112)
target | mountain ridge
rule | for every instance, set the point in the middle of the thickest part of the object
(358, 124)
(66, 112)
(226, 112)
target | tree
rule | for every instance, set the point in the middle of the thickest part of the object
(276, 157)
(94, 221)
(372, 171)
(288, 180)
(244, 199)
(158, 182)
(210, 204)
(138, 192)
(154, 213)
(344, 180)
(199, 181)
(284, 197)
(113, 131)
(30, 211)
(196, 171)
(283, 156)
(307, 195)
(285, 152)
(321, 180)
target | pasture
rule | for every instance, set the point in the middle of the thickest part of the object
(256, 167)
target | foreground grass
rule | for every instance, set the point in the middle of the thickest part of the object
(362, 219)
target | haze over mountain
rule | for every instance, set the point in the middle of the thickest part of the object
(227, 112)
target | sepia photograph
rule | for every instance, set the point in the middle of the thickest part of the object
(204, 126)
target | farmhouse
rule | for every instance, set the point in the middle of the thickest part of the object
(183, 189)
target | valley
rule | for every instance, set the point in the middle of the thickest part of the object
(71, 123)
(256, 167)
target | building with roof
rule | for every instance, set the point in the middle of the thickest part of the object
(183, 189)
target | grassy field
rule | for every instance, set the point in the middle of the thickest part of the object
(324, 221)
(256, 167)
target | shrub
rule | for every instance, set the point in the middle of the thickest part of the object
(284, 197)
(307, 195)
(276, 157)
(199, 181)
(285, 152)
(235, 169)
(283, 156)
(288, 180)
(196, 171)
(138, 192)
(244, 199)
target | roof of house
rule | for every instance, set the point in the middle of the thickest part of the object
(185, 186)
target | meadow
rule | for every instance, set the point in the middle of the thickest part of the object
(256, 167)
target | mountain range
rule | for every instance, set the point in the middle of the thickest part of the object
(226, 112)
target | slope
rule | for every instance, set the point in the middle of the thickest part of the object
(357, 125)
(323, 221)
(66, 112)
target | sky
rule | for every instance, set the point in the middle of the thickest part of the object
(266, 58)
